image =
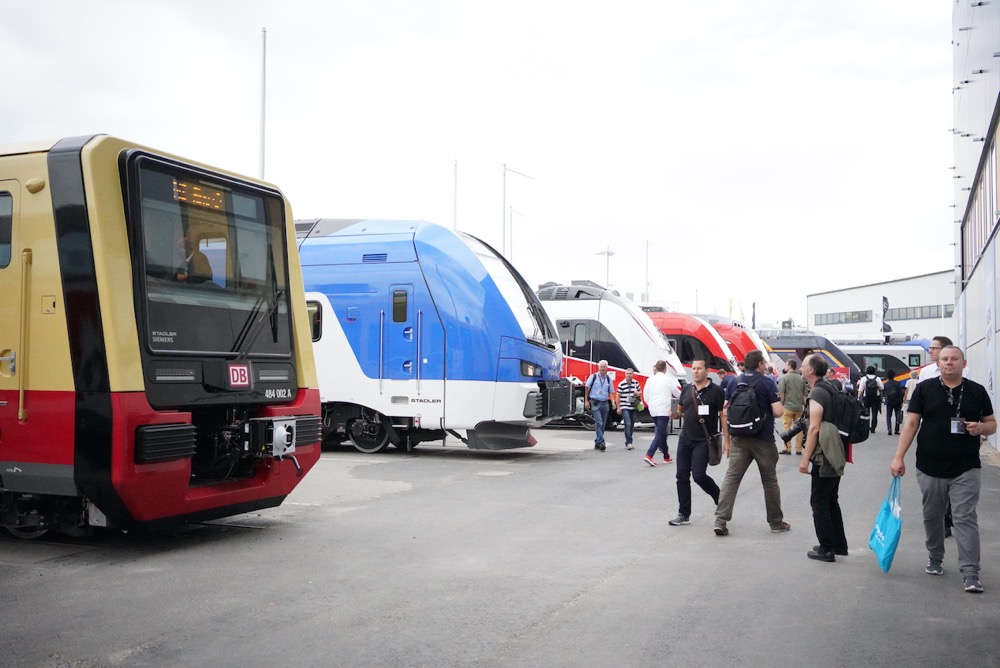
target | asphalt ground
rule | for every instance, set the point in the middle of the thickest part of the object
(555, 556)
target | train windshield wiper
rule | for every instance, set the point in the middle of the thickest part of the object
(250, 331)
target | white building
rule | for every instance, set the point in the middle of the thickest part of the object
(918, 307)
(975, 87)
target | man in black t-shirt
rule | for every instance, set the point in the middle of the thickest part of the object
(951, 413)
(701, 403)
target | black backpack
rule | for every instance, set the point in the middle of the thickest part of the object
(849, 415)
(871, 392)
(892, 394)
(744, 414)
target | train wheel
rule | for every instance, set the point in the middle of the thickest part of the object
(368, 436)
(27, 533)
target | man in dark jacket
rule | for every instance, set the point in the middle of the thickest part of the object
(893, 400)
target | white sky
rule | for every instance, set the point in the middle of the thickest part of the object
(764, 149)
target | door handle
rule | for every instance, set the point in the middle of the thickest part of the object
(408, 366)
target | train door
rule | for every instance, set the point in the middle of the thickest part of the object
(578, 347)
(11, 305)
(399, 361)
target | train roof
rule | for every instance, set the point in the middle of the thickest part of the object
(551, 293)
(20, 148)
(313, 228)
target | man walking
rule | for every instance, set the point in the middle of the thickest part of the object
(926, 373)
(597, 399)
(701, 404)
(792, 391)
(951, 414)
(658, 393)
(628, 393)
(825, 451)
(893, 401)
(870, 392)
(759, 448)
(931, 370)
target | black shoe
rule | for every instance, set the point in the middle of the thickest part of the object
(897, 432)
(947, 532)
(603, 447)
(836, 551)
(820, 555)
(785, 452)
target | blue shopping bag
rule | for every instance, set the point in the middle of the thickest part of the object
(888, 526)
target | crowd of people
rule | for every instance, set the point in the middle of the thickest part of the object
(946, 413)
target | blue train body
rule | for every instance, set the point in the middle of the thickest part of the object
(421, 331)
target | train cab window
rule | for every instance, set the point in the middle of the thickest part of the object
(211, 255)
(315, 311)
(580, 335)
(914, 361)
(399, 305)
(607, 347)
(6, 223)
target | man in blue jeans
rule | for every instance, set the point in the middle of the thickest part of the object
(628, 394)
(659, 391)
(597, 399)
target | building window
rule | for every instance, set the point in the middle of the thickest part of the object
(843, 317)
(920, 312)
(981, 218)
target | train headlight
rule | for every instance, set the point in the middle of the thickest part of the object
(529, 369)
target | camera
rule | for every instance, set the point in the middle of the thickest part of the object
(795, 429)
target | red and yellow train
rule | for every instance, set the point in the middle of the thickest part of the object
(155, 356)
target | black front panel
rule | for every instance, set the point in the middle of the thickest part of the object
(211, 285)
(87, 346)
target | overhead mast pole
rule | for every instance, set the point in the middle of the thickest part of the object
(263, 94)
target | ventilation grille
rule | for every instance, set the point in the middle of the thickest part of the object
(308, 429)
(375, 257)
(165, 442)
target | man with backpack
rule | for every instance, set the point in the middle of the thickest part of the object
(870, 391)
(597, 399)
(893, 401)
(825, 450)
(751, 407)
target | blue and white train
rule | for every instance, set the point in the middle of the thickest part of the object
(420, 332)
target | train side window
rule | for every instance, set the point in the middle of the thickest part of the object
(315, 311)
(914, 361)
(6, 223)
(580, 335)
(399, 305)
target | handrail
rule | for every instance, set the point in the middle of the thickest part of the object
(22, 412)
(420, 329)
(381, 337)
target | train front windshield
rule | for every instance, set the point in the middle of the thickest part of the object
(212, 263)
(522, 301)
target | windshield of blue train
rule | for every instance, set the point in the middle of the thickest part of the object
(212, 264)
(522, 301)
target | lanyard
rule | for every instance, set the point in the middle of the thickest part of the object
(957, 403)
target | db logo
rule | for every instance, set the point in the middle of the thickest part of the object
(239, 375)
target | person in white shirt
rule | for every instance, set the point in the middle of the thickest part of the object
(658, 394)
(871, 391)
(932, 370)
